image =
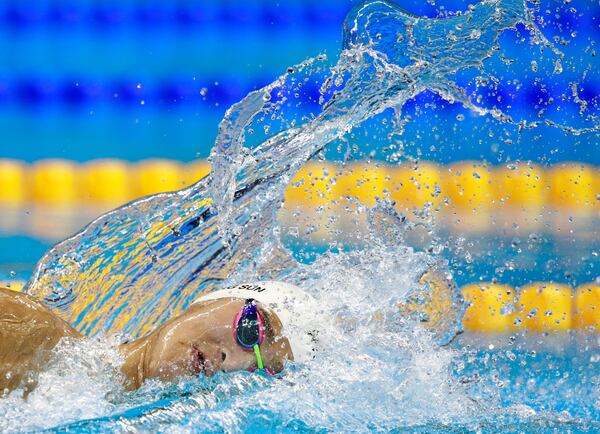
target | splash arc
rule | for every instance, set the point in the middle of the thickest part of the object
(132, 268)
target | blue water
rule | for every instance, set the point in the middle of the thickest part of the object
(520, 386)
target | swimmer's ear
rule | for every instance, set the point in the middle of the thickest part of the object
(279, 346)
(279, 354)
(270, 321)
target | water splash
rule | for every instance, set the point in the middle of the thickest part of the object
(376, 372)
(79, 382)
(134, 267)
(371, 349)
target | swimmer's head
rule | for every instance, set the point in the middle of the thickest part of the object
(295, 309)
(205, 338)
(202, 341)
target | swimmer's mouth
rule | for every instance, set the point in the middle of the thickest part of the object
(199, 362)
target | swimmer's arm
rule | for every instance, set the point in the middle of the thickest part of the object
(134, 355)
(28, 331)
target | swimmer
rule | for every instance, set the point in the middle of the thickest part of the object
(248, 327)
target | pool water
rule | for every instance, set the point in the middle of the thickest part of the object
(387, 376)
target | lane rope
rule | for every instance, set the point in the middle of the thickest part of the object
(464, 186)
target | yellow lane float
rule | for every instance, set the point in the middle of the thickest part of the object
(469, 189)
(414, 186)
(469, 186)
(106, 183)
(12, 182)
(195, 171)
(587, 307)
(314, 185)
(54, 183)
(13, 285)
(490, 307)
(521, 191)
(365, 182)
(545, 307)
(518, 194)
(521, 185)
(575, 186)
(311, 201)
(158, 176)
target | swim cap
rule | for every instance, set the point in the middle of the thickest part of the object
(294, 307)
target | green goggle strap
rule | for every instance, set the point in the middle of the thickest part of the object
(259, 360)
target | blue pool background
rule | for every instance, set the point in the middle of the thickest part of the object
(139, 79)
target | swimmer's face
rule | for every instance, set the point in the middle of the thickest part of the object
(202, 341)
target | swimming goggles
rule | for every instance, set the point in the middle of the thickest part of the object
(249, 331)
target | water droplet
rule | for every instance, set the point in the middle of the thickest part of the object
(534, 66)
(558, 68)
(507, 309)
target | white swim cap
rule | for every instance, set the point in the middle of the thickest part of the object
(295, 308)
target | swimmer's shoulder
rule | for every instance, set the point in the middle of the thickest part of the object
(18, 309)
(28, 331)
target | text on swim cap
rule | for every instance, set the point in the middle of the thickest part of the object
(249, 287)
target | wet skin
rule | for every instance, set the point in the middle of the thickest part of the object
(28, 331)
(199, 341)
